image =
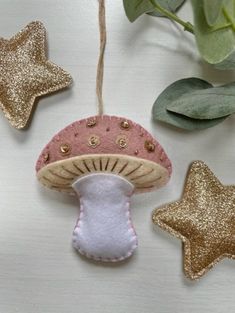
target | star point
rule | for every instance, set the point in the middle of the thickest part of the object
(204, 219)
(26, 73)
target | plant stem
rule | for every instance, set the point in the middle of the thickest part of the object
(229, 18)
(187, 25)
(221, 27)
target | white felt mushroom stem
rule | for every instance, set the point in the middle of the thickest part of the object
(104, 230)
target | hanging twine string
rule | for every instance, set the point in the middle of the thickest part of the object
(100, 65)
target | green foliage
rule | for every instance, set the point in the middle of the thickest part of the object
(170, 5)
(209, 103)
(177, 100)
(194, 103)
(216, 43)
(214, 25)
(212, 9)
(135, 8)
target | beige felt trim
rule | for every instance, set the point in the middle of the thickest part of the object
(143, 174)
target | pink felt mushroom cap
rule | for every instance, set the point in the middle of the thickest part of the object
(107, 144)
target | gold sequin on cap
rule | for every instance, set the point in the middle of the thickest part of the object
(91, 122)
(26, 74)
(93, 141)
(46, 157)
(125, 125)
(122, 141)
(65, 149)
(204, 219)
(149, 146)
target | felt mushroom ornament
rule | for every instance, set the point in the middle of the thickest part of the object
(103, 160)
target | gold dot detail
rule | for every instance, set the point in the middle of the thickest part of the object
(93, 141)
(65, 149)
(149, 146)
(46, 157)
(122, 141)
(91, 122)
(125, 125)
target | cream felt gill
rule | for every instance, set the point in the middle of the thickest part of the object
(104, 160)
(143, 174)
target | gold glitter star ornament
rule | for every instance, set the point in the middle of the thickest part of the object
(204, 219)
(25, 73)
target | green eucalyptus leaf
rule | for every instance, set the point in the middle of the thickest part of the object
(209, 103)
(135, 8)
(170, 5)
(212, 10)
(215, 43)
(228, 63)
(174, 92)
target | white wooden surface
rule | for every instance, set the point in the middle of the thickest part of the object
(39, 271)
